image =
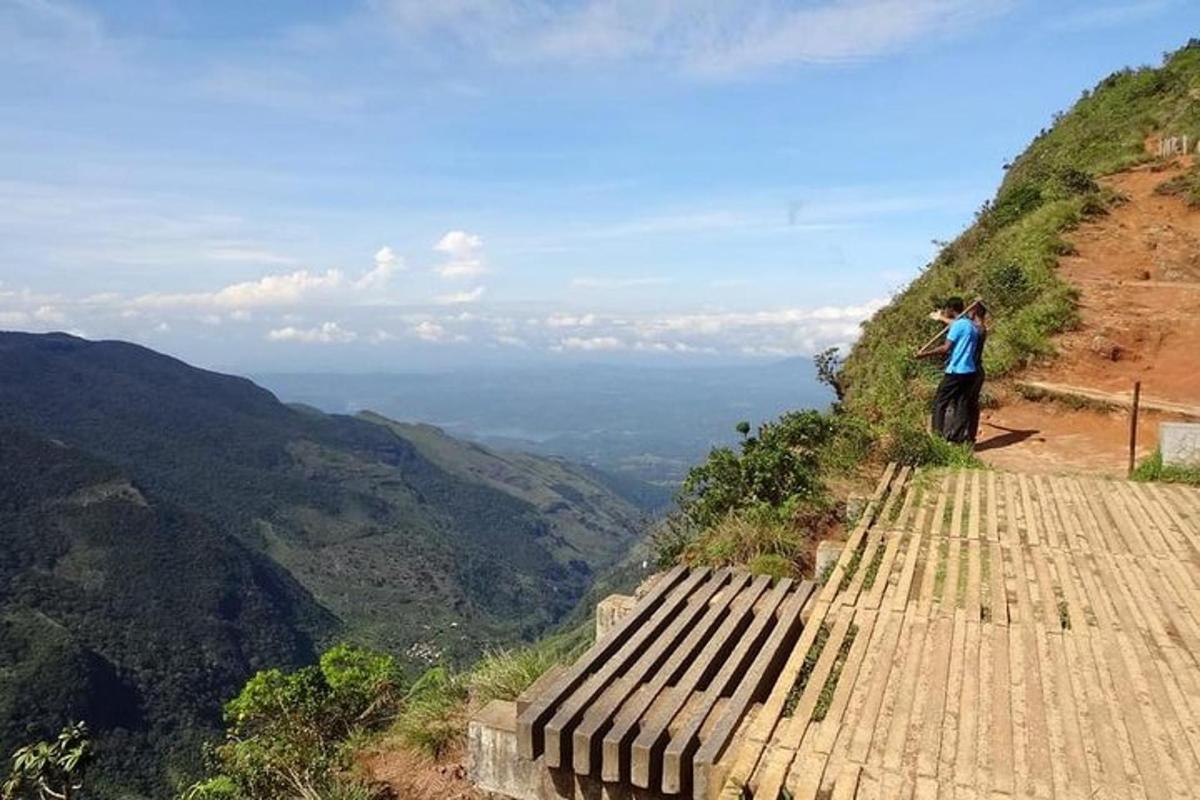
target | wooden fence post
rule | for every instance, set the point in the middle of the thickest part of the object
(1133, 420)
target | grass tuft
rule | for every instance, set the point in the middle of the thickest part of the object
(1152, 469)
(810, 663)
(835, 674)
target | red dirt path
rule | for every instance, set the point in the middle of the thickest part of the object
(1138, 273)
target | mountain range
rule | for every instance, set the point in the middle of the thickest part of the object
(165, 531)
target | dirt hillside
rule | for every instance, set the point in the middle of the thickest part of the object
(1137, 271)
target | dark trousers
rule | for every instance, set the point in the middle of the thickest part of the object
(973, 408)
(951, 406)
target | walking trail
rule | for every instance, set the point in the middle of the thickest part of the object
(1137, 271)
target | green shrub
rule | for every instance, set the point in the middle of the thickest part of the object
(1185, 185)
(915, 446)
(781, 464)
(1153, 469)
(1007, 284)
(286, 733)
(221, 787)
(53, 769)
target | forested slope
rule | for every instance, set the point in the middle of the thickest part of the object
(168, 530)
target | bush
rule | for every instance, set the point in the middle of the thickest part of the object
(772, 565)
(1186, 185)
(286, 733)
(221, 787)
(781, 464)
(1153, 469)
(53, 769)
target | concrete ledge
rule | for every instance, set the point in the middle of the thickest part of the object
(611, 610)
(495, 766)
(1179, 443)
(493, 763)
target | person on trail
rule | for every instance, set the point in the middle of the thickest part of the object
(961, 348)
(978, 316)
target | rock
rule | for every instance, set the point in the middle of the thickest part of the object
(855, 505)
(1179, 443)
(1106, 348)
(612, 610)
(828, 552)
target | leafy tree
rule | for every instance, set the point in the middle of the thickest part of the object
(286, 732)
(829, 365)
(50, 770)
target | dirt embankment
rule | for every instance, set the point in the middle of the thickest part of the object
(1137, 271)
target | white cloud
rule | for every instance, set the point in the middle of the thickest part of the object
(591, 343)
(325, 333)
(14, 318)
(380, 336)
(244, 254)
(672, 347)
(271, 290)
(570, 321)
(429, 331)
(464, 253)
(699, 36)
(461, 298)
(286, 289)
(48, 313)
(387, 264)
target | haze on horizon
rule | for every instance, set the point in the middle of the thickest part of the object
(399, 185)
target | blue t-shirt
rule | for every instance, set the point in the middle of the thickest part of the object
(963, 337)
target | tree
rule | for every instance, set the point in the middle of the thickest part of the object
(286, 732)
(50, 770)
(829, 366)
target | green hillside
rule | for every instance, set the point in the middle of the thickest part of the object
(128, 612)
(207, 504)
(1009, 254)
(766, 502)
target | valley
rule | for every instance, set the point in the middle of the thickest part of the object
(168, 531)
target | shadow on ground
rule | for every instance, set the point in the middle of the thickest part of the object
(1010, 437)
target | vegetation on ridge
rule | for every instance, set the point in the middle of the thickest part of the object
(768, 504)
(296, 734)
(1009, 255)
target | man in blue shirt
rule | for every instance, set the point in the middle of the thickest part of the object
(962, 352)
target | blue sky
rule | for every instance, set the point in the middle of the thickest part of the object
(402, 184)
